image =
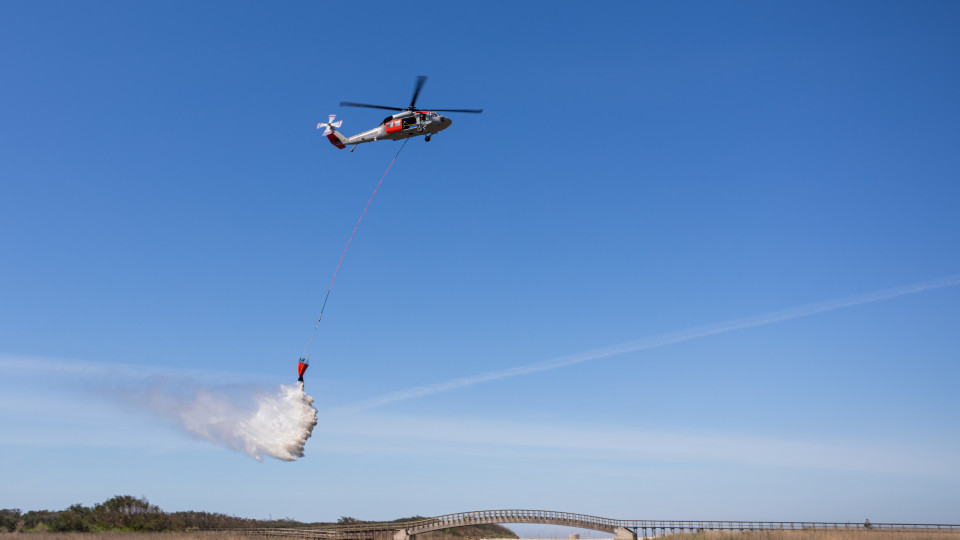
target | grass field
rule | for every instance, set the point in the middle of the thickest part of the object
(125, 536)
(756, 535)
(819, 535)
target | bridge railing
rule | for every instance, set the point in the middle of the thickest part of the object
(520, 516)
(778, 525)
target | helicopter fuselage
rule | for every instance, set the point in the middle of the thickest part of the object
(401, 126)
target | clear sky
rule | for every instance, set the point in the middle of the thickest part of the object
(641, 170)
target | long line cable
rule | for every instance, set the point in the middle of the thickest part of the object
(342, 255)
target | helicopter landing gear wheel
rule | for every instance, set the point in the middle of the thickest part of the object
(427, 138)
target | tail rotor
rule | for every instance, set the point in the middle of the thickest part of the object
(331, 126)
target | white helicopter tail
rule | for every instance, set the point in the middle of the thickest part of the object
(332, 134)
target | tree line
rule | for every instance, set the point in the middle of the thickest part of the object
(124, 513)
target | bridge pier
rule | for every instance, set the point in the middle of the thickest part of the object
(623, 533)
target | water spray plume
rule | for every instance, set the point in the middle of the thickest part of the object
(261, 424)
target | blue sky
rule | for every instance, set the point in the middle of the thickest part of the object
(167, 208)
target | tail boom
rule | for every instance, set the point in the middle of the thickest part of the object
(337, 139)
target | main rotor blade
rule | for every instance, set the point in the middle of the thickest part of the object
(367, 105)
(416, 90)
(458, 110)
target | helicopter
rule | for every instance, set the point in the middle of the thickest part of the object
(409, 122)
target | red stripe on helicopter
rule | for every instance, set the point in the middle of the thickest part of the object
(335, 140)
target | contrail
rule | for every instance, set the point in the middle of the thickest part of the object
(661, 340)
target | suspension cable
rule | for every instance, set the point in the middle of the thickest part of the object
(342, 255)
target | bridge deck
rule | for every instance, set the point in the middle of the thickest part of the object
(366, 531)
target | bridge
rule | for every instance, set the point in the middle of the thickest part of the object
(620, 528)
